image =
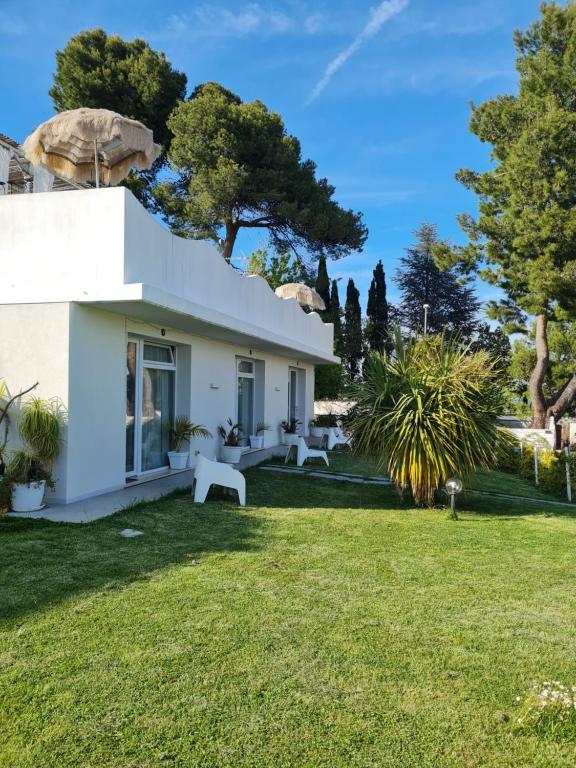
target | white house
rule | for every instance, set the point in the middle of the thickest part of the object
(130, 327)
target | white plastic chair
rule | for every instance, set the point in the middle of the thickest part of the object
(209, 473)
(305, 453)
(335, 437)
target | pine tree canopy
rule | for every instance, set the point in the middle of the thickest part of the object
(237, 168)
(106, 72)
(524, 239)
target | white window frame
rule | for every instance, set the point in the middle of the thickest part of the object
(244, 375)
(141, 364)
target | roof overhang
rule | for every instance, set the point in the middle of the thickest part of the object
(152, 305)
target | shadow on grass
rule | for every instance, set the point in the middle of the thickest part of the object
(43, 563)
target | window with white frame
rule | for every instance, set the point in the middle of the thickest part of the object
(245, 402)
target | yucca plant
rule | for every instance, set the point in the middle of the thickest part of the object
(428, 412)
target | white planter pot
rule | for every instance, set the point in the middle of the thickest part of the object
(28, 497)
(317, 431)
(256, 441)
(178, 459)
(290, 439)
(231, 454)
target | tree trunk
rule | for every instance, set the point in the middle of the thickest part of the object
(228, 245)
(539, 404)
(564, 400)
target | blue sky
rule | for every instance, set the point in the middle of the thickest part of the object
(377, 92)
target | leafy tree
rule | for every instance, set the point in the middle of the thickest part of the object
(452, 305)
(377, 330)
(524, 238)
(106, 72)
(495, 342)
(237, 167)
(322, 284)
(352, 338)
(427, 412)
(278, 269)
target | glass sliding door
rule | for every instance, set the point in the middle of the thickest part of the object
(131, 360)
(157, 416)
(150, 396)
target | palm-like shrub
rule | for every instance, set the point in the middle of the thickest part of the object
(427, 412)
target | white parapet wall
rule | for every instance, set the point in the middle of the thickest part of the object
(102, 247)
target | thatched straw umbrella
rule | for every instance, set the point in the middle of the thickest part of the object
(304, 295)
(92, 145)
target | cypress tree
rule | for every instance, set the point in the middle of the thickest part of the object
(352, 332)
(336, 317)
(323, 282)
(377, 311)
(328, 382)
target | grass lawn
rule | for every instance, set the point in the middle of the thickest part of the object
(322, 626)
(502, 482)
(341, 460)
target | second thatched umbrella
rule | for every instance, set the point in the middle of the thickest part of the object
(304, 295)
(92, 145)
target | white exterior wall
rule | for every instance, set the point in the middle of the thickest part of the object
(213, 385)
(34, 347)
(96, 447)
(78, 354)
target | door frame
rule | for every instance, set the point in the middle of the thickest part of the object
(141, 364)
(299, 407)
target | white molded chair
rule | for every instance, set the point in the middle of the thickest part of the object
(309, 453)
(335, 437)
(209, 473)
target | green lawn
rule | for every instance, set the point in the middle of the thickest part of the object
(502, 482)
(322, 626)
(341, 460)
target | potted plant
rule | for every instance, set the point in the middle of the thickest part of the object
(181, 433)
(257, 439)
(28, 479)
(28, 472)
(231, 450)
(320, 425)
(290, 430)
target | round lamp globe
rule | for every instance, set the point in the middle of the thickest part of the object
(453, 485)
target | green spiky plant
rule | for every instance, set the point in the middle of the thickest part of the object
(183, 431)
(230, 433)
(40, 426)
(428, 412)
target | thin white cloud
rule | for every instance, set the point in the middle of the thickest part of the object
(379, 15)
(211, 20)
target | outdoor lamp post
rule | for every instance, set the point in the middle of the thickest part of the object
(453, 487)
(426, 308)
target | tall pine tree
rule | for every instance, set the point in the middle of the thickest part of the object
(352, 346)
(452, 305)
(377, 331)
